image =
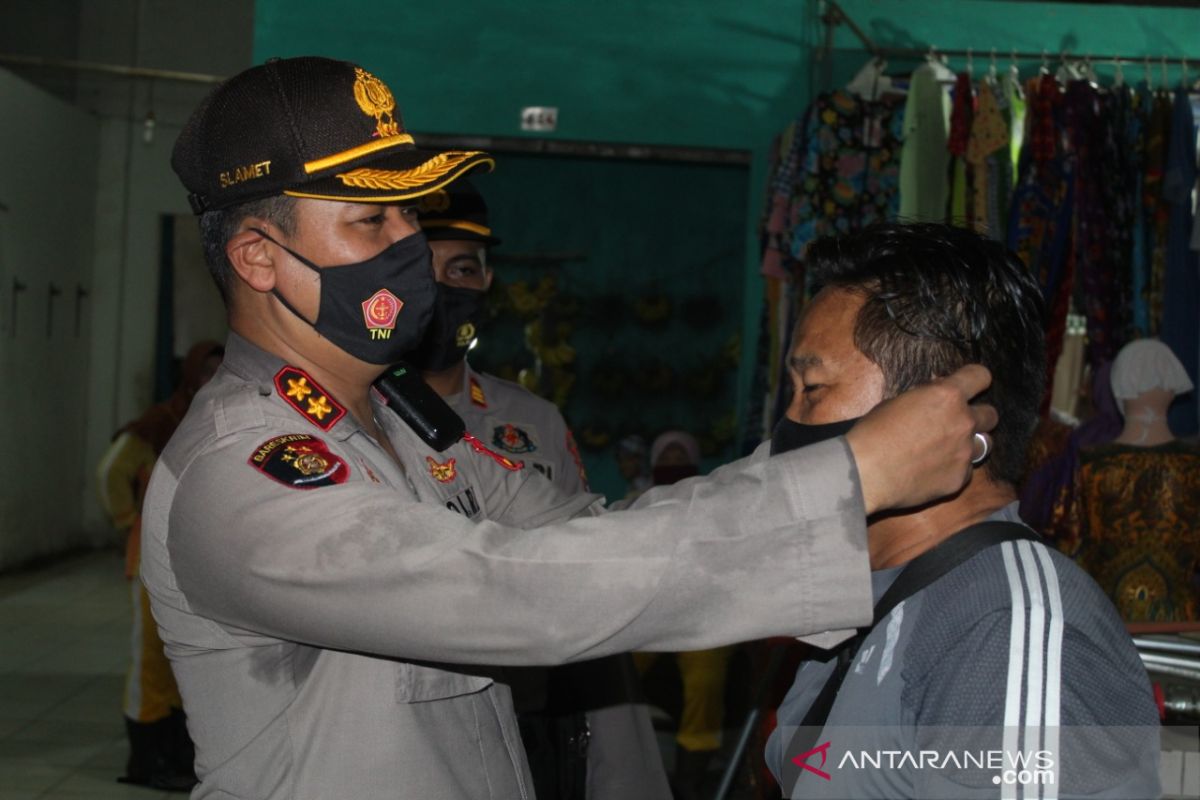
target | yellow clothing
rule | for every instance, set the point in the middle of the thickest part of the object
(703, 676)
(123, 474)
(150, 690)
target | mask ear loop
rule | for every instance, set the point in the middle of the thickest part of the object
(279, 295)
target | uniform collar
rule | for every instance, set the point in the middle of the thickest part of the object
(290, 387)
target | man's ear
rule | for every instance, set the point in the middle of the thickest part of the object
(251, 257)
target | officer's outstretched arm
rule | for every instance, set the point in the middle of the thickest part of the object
(761, 548)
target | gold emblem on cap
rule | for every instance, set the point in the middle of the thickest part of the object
(375, 99)
(434, 201)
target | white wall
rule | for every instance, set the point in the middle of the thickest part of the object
(104, 224)
(48, 157)
(137, 186)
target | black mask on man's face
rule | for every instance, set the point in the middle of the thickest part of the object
(789, 435)
(457, 315)
(361, 303)
(667, 474)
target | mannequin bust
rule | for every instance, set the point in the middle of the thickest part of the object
(1146, 419)
(1134, 517)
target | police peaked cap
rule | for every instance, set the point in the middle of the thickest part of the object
(456, 212)
(307, 127)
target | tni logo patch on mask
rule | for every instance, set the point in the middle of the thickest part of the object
(380, 311)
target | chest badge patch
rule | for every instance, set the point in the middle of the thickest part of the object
(483, 449)
(305, 395)
(442, 473)
(299, 461)
(512, 439)
(379, 313)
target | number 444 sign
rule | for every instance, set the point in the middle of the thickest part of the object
(539, 118)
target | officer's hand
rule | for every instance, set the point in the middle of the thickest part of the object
(918, 447)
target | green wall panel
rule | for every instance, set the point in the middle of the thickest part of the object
(716, 73)
(654, 71)
(642, 230)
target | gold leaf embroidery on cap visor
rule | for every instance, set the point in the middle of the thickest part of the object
(432, 170)
(457, 224)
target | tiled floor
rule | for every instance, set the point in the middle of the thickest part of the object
(64, 641)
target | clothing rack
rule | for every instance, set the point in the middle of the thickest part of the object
(835, 15)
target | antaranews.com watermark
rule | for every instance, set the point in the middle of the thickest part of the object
(958, 762)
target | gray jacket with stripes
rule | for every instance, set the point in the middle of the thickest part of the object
(1010, 677)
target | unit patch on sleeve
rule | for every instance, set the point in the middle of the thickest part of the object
(305, 395)
(512, 439)
(482, 449)
(300, 461)
(442, 473)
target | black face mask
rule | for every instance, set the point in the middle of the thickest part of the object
(376, 310)
(789, 435)
(667, 474)
(457, 317)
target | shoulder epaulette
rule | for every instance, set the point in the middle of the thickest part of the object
(477, 396)
(302, 393)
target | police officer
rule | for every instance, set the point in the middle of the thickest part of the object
(323, 620)
(583, 734)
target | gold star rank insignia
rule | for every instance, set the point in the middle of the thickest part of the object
(320, 407)
(301, 392)
(298, 389)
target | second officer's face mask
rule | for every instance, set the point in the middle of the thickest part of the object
(457, 316)
(789, 435)
(376, 310)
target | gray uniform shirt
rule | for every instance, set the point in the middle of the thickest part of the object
(323, 617)
(623, 758)
(1015, 650)
(514, 421)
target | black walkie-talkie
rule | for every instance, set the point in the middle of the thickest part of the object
(420, 406)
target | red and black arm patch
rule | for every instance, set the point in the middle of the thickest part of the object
(299, 461)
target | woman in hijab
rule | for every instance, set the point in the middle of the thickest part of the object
(160, 752)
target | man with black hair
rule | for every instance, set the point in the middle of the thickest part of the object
(328, 619)
(990, 642)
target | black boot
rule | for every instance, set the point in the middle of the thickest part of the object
(690, 766)
(149, 763)
(181, 753)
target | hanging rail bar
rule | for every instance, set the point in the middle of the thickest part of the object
(110, 69)
(836, 15)
(902, 52)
